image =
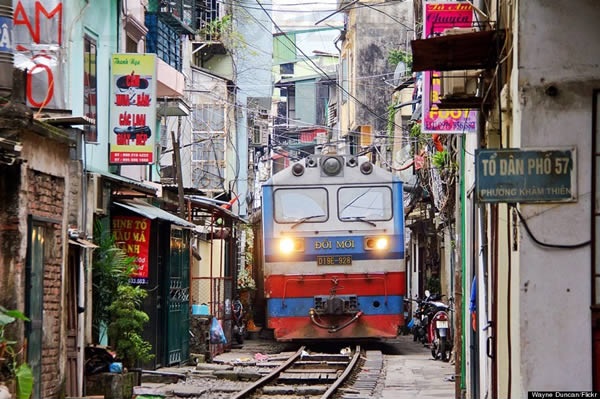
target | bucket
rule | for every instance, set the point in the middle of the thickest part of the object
(200, 309)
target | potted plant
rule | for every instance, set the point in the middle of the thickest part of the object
(13, 370)
(127, 324)
(111, 268)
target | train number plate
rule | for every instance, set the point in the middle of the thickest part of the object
(442, 324)
(334, 260)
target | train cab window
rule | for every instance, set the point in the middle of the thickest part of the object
(293, 205)
(364, 203)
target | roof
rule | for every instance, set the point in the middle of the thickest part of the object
(153, 212)
(214, 207)
(137, 185)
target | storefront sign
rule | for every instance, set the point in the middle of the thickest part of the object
(38, 42)
(133, 109)
(439, 17)
(526, 175)
(132, 234)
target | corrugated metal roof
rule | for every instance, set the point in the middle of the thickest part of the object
(134, 184)
(153, 212)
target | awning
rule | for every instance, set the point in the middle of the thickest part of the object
(133, 184)
(476, 50)
(153, 212)
(211, 206)
(82, 243)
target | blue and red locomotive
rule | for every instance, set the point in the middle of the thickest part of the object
(334, 264)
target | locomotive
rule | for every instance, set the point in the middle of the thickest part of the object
(333, 236)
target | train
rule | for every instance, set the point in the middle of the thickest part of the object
(333, 250)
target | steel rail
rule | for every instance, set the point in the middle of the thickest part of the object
(270, 377)
(344, 375)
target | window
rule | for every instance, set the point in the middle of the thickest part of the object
(286, 69)
(291, 102)
(209, 117)
(163, 40)
(369, 203)
(208, 148)
(89, 87)
(256, 135)
(295, 204)
(130, 45)
(345, 80)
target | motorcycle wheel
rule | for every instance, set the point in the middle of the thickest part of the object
(239, 339)
(443, 349)
(434, 350)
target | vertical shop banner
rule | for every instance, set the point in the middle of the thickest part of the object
(132, 109)
(438, 18)
(132, 234)
(38, 44)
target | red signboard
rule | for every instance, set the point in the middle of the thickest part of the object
(132, 234)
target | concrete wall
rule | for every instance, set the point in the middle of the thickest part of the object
(555, 285)
(82, 19)
(554, 46)
(386, 32)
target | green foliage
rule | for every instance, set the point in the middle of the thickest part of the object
(111, 268)
(415, 130)
(433, 284)
(397, 56)
(391, 122)
(441, 159)
(24, 377)
(12, 366)
(217, 27)
(127, 324)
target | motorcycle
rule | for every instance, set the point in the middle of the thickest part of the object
(419, 323)
(239, 322)
(439, 333)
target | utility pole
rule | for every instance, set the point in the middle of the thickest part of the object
(177, 161)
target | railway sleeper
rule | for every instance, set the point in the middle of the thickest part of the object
(338, 364)
(301, 391)
(325, 358)
(303, 378)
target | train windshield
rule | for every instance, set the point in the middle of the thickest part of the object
(365, 203)
(293, 205)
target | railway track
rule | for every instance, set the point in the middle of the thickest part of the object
(306, 375)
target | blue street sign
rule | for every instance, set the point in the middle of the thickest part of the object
(525, 175)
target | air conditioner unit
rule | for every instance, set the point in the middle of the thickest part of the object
(459, 84)
(99, 196)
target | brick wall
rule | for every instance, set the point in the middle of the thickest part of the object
(46, 199)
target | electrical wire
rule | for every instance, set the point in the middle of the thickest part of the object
(543, 244)
(322, 72)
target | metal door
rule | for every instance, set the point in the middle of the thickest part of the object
(34, 298)
(178, 298)
(72, 376)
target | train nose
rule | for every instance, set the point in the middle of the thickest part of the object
(336, 305)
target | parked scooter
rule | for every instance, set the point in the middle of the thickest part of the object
(439, 332)
(239, 322)
(417, 325)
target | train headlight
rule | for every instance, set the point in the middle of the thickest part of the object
(380, 243)
(332, 165)
(298, 169)
(366, 168)
(288, 245)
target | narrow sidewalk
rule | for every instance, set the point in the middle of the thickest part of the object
(414, 374)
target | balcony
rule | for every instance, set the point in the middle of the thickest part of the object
(179, 14)
(464, 59)
(171, 82)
